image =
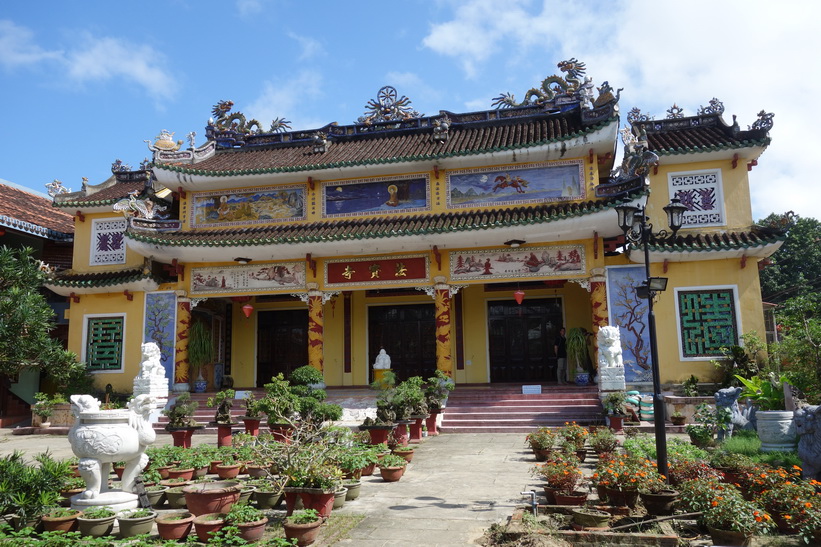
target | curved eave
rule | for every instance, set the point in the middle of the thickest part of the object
(553, 230)
(88, 208)
(144, 284)
(746, 151)
(601, 139)
(718, 253)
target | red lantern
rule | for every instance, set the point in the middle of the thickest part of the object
(247, 309)
(519, 295)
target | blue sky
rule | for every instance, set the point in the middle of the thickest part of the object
(86, 82)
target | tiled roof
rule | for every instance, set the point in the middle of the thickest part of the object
(372, 228)
(100, 279)
(384, 147)
(705, 133)
(107, 193)
(27, 212)
(718, 241)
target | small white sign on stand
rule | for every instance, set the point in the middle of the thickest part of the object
(531, 390)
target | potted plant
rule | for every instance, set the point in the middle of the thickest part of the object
(200, 353)
(702, 432)
(156, 494)
(677, 418)
(211, 497)
(96, 521)
(614, 409)
(732, 520)
(774, 424)
(562, 475)
(62, 518)
(135, 522)
(181, 422)
(303, 526)
(541, 442)
(603, 441)
(250, 521)
(253, 413)
(574, 434)
(392, 468)
(174, 525)
(307, 375)
(208, 524)
(223, 400)
(656, 495)
(43, 408)
(577, 355)
(588, 518)
(689, 387)
(437, 390)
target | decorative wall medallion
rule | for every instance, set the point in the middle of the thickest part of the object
(701, 192)
(277, 276)
(708, 321)
(259, 206)
(403, 194)
(396, 270)
(107, 243)
(526, 183)
(504, 263)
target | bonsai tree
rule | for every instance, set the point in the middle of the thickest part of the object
(181, 413)
(254, 407)
(44, 405)
(437, 389)
(613, 403)
(223, 400)
(306, 376)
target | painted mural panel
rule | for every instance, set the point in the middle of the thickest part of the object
(258, 206)
(526, 183)
(403, 194)
(630, 314)
(531, 262)
(707, 321)
(260, 277)
(160, 326)
(107, 242)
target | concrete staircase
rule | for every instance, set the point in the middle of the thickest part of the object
(502, 408)
(205, 414)
(16, 411)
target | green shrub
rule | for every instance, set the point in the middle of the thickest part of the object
(306, 375)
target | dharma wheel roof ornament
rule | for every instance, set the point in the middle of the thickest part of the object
(387, 107)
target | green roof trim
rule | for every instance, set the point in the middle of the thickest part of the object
(99, 279)
(713, 148)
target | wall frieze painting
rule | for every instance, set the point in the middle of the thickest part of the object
(278, 276)
(525, 183)
(630, 314)
(398, 194)
(258, 206)
(159, 326)
(534, 262)
(375, 271)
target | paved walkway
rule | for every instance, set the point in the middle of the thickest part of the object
(455, 488)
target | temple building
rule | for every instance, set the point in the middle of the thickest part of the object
(455, 241)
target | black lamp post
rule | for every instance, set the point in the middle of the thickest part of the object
(634, 223)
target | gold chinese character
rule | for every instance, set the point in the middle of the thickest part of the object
(348, 273)
(375, 269)
(401, 270)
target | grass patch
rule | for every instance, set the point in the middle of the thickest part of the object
(645, 446)
(337, 528)
(746, 442)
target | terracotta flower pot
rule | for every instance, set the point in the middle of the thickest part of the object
(320, 500)
(211, 497)
(660, 504)
(175, 498)
(391, 474)
(727, 537)
(542, 454)
(406, 454)
(251, 425)
(304, 534)
(572, 498)
(130, 527)
(267, 500)
(622, 498)
(368, 470)
(208, 524)
(177, 473)
(63, 524)
(228, 471)
(252, 531)
(176, 525)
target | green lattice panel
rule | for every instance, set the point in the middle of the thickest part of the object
(105, 343)
(707, 322)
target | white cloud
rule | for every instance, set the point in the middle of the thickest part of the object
(109, 58)
(310, 47)
(17, 47)
(289, 99)
(415, 88)
(249, 7)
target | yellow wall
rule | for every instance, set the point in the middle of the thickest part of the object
(701, 274)
(82, 246)
(111, 304)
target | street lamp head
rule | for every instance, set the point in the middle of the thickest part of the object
(675, 214)
(627, 216)
(657, 284)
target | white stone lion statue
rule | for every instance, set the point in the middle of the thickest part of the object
(609, 340)
(809, 442)
(101, 437)
(151, 364)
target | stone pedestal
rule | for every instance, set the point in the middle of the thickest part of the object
(116, 499)
(611, 379)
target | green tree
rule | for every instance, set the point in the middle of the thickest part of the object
(799, 348)
(796, 266)
(26, 321)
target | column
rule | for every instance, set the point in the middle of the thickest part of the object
(316, 322)
(442, 299)
(181, 366)
(598, 303)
